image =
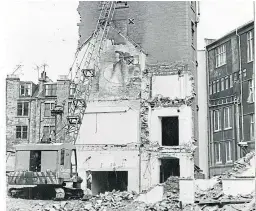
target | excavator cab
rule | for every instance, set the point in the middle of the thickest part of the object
(44, 165)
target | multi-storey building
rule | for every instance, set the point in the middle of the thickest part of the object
(140, 125)
(230, 97)
(29, 105)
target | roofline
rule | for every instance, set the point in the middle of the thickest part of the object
(230, 33)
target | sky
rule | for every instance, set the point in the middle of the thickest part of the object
(46, 32)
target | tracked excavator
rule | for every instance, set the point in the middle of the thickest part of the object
(49, 170)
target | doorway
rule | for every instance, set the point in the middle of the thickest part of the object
(170, 131)
(169, 167)
(103, 181)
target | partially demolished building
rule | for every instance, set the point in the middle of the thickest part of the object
(141, 122)
(140, 125)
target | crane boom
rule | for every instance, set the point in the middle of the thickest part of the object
(87, 64)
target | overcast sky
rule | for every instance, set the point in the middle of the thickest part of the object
(37, 32)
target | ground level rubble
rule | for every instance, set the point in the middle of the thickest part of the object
(210, 199)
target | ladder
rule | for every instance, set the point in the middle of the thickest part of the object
(88, 65)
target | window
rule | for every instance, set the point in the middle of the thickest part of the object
(249, 46)
(48, 107)
(244, 73)
(47, 131)
(72, 89)
(220, 55)
(235, 77)
(214, 87)
(252, 127)
(217, 153)
(216, 120)
(231, 80)
(226, 83)
(50, 89)
(62, 154)
(228, 152)
(69, 106)
(227, 118)
(193, 33)
(25, 90)
(21, 132)
(22, 109)
(218, 85)
(222, 84)
(251, 92)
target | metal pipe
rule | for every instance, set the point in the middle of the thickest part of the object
(208, 118)
(241, 85)
(254, 75)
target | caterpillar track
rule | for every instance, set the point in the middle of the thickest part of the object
(45, 192)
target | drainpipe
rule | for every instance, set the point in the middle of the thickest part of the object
(254, 75)
(241, 86)
(29, 120)
(209, 131)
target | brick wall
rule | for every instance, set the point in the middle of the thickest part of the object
(161, 28)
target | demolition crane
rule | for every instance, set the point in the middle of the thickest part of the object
(49, 170)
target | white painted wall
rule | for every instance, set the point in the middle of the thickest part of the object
(109, 125)
(187, 191)
(202, 113)
(171, 86)
(230, 186)
(185, 123)
(110, 160)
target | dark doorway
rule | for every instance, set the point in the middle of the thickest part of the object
(35, 161)
(169, 167)
(170, 131)
(103, 181)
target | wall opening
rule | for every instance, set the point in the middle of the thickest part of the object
(169, 167)
(170, 131)
(103, 181)
(35, 161)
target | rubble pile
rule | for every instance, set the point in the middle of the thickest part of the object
(213, 193)
(103, 202)
(171, 188)
(240, 165)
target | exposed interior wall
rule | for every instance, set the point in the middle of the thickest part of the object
(114, 126)
(185, 123)
(111, 160)
(103, 181)
(169, 167)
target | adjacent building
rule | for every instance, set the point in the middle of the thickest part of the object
(141, 121)
(230, 97)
